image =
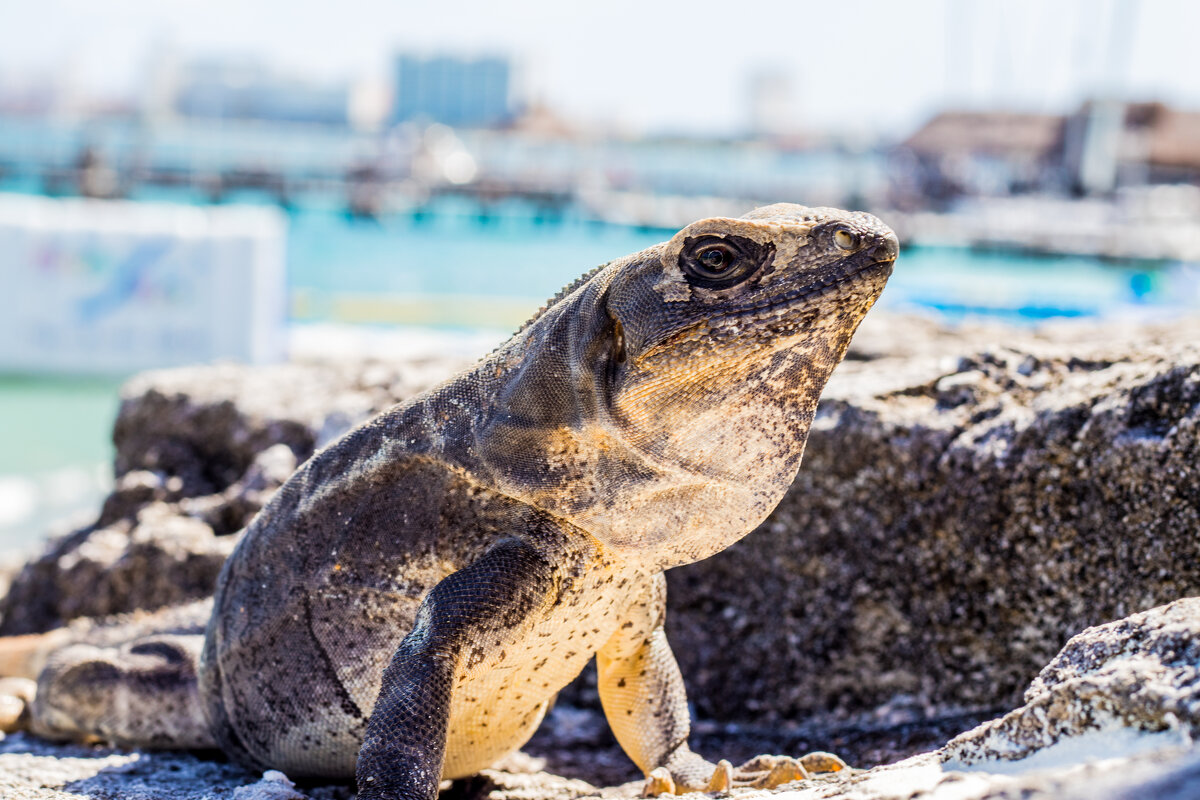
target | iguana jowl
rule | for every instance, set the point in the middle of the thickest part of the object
(413, 597)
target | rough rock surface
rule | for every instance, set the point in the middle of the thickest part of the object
(959, 514)
(962, 509)
(1112, 717)
(199, 451)
(1141, 673)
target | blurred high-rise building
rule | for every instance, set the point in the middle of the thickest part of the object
(466, 92)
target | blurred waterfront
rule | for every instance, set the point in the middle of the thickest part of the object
(436, 202)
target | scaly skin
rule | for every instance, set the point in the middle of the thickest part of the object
(411, 600)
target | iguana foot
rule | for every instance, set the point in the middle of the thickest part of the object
(767, 772)
(16, 696)
(820, 761)
(760, 772)
(658, 782)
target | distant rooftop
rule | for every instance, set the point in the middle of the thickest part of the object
(1157, 134)
(994, 132)
(1175, 139)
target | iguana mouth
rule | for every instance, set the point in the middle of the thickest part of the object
(783, 308)
(823, 286)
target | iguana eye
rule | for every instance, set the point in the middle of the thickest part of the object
(715, 259)
(720, 261)
(846, 239)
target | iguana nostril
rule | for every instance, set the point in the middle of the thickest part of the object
(886, 250)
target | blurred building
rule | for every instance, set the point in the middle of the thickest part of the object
(1109, 144)
(464, 92)
(243, 88)
(1102, 146)
(985, 152)
(28, 97)
(1173, 152)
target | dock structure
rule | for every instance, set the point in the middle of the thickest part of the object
(1158, 223)
(549, 199)
(990, 180)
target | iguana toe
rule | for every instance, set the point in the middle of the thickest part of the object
(16, 695)
(821, 761)
(722, 778)
(769, 772)
(658, 782)
(784, 771)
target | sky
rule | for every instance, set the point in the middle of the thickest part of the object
(869, 66)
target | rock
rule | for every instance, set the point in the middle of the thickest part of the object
(157, 559)
(199, 451)
(1136, 676)
(1112, 717)
(31, 769)
(273, 786)
(958, 515)
(963, 508)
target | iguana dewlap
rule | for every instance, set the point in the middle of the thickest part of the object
(411, 600)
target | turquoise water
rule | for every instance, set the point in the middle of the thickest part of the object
(456, 269)
(424, 270)
(47, 424)
(450, 269)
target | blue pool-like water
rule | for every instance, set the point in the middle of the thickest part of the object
(515, 263)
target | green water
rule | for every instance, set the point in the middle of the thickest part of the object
(55, 454)
(51, 423)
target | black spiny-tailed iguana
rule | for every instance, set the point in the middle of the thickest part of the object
(409, 603)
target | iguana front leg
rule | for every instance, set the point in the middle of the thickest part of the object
(404, 749)
(643, 694)
(645, 702)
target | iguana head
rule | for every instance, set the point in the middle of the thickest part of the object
(675, 387)
(728, 304)
(725, 337)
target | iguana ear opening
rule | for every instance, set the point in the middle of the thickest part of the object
(619, 354)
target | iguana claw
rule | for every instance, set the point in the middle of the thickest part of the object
(821, 761)
(785, 770)
(11, 711)
(658, 782)
(760, 772)
(15, 696)
(722, 778)
(768, 772)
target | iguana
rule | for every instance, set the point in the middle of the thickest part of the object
(411, 600)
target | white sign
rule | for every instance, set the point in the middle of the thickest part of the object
(115, 286)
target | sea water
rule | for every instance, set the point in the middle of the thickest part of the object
(434, 270)
(454, 271)
(55, 453)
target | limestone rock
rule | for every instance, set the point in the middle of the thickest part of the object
(273, 786)
(959, 514)
(1139, 675)
(1111, 718)
(159, 558)
(199, 452)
